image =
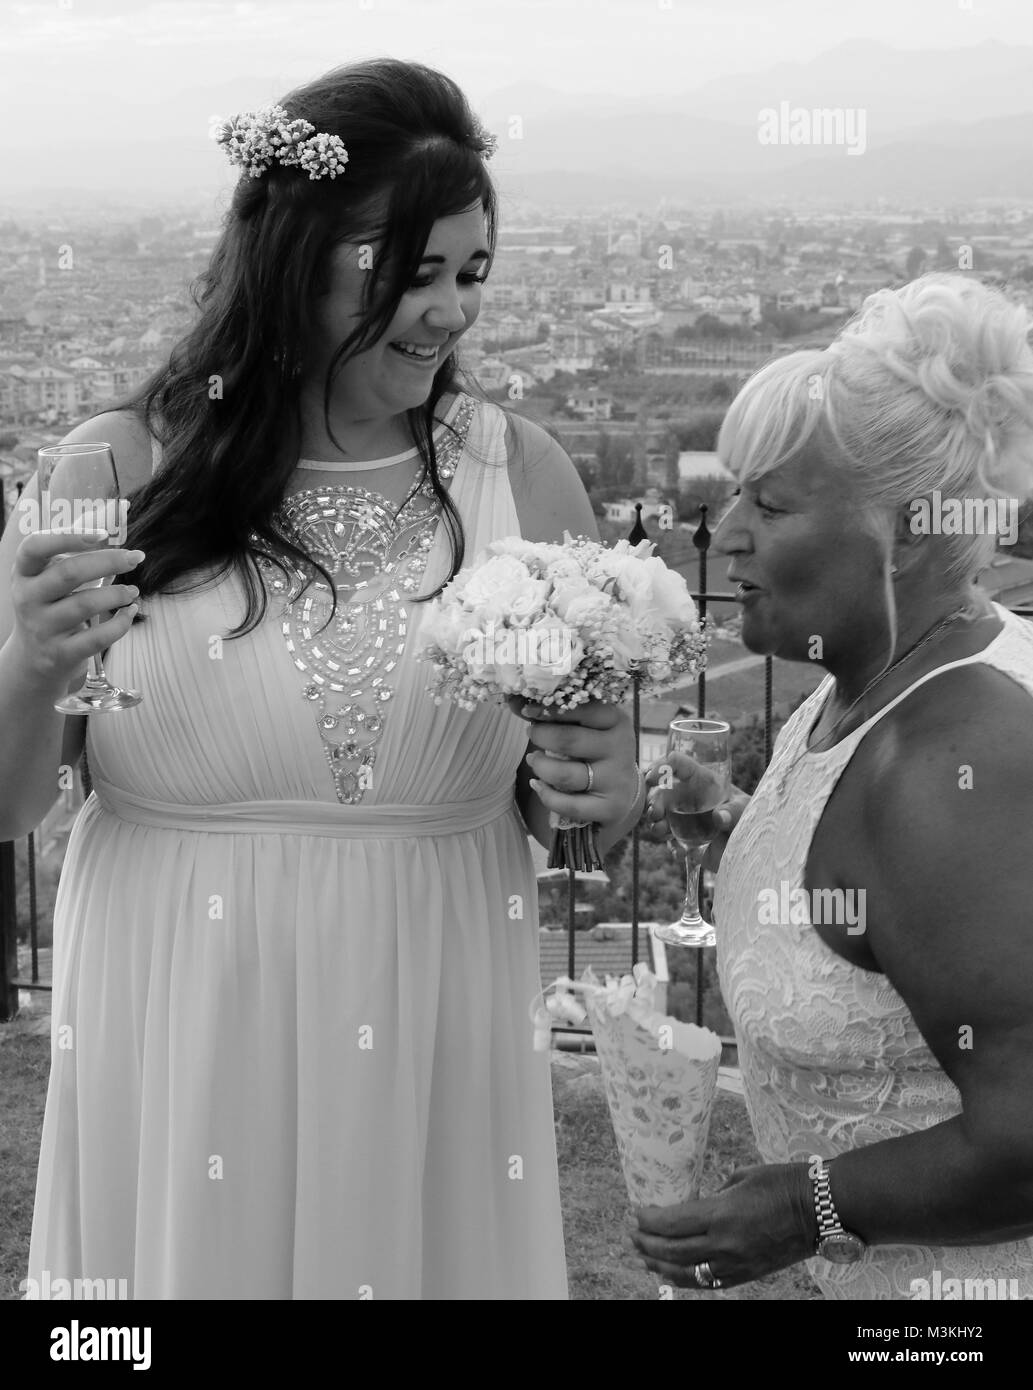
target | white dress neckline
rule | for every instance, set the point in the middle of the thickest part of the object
(369, 465)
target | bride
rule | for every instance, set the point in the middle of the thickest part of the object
(296, 933)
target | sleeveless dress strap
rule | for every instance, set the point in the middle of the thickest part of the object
(973, 660)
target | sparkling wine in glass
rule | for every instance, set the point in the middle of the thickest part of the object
(79, 492)
(688, 805)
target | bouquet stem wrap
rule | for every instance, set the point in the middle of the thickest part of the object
(573, 845)
(660, 1077)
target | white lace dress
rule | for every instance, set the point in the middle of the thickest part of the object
(831, 1057)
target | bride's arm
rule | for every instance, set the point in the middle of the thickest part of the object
(550, 499)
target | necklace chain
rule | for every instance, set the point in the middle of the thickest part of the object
(922, 642)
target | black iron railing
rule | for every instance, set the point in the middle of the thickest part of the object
(12, 979)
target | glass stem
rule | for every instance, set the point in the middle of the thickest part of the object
(95, 673)
(690, 916)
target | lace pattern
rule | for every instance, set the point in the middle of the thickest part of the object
(831, 1056)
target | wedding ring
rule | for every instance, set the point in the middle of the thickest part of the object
(591, 778)
(704, 1276)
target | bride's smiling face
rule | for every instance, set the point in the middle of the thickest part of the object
(807, 567)
(442, 302)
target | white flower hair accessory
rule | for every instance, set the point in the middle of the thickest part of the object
(258, 139)
(489, 141)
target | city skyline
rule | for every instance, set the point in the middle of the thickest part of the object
(124, 94)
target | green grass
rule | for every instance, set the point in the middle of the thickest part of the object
(742, 694)
(24, 1067)
(601, 1262)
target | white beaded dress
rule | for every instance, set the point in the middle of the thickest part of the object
(831, 1057)
(296, 939)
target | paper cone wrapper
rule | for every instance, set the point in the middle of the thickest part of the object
(660, 1077)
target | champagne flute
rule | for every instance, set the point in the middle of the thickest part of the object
(688, 807)
(79, 492)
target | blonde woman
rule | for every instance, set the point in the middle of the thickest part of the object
(885, 1022)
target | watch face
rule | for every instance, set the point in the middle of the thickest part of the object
(842, 1249)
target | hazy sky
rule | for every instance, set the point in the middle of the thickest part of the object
(75, 74)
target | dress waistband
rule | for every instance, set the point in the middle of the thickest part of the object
(329, 819)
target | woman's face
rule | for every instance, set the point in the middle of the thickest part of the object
(440, 305)
(806, 568)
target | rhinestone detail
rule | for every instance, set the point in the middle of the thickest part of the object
(377, 561)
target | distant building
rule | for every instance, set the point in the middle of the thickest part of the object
(701, 463)
(590, 404)
(624, 510)
(655, 717)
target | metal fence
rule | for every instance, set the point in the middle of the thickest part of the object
(12, 979)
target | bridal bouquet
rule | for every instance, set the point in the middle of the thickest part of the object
(660, 1077)
(561, 625)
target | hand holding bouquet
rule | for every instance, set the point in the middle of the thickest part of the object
(560, 626)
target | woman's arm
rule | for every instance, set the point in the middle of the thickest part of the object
(950, 886)
(550, 499)
(948, 876)
(36, 741)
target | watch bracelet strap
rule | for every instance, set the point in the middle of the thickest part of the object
(829, 1222)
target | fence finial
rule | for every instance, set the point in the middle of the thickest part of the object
(701, 535)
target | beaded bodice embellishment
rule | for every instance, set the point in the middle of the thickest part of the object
(377, 559)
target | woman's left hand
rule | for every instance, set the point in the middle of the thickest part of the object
(595, 734)
(761, 1221)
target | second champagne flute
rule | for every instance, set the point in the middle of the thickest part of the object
(688, 807)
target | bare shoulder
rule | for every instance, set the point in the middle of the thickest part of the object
(974, 709)
(126, 432)
(549, 495)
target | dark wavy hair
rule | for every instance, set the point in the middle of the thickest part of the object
(415, 154)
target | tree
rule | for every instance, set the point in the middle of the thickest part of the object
(616, 466)
(672, 451)
(915, 262)
(712, 490)
(784, 323)
(702, 432)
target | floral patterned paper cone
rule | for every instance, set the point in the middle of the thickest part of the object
(660, 1077)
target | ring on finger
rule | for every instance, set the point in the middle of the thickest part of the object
(591, 778)
(704, 1276)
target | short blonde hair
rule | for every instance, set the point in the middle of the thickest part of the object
(929, 388)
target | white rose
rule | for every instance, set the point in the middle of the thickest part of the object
(562, 565)
(671, 597)
(634, 583)
(553, 650)
(528, 602)
(565, 591)
(627, 643)
(527, 552)
(501, 586)
(586, 607)
(491, 655)
(447, 626)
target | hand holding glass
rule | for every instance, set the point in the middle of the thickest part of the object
(689, 804)
(79, 492)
